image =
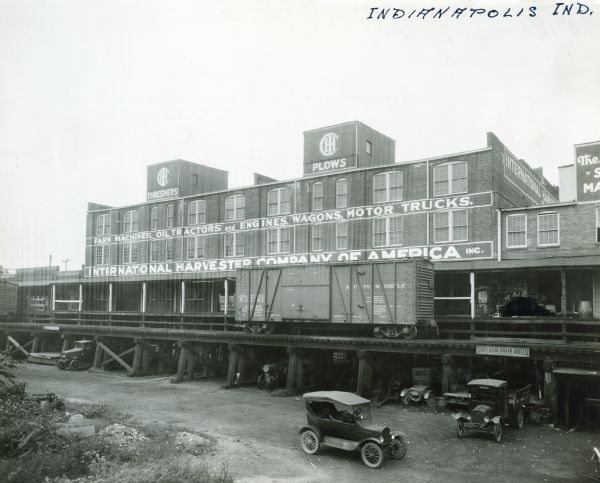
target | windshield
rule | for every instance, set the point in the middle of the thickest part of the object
(484, 393)
(362, 412)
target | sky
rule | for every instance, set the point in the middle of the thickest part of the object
(91, 92)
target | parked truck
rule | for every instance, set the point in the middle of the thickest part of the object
(393, 298)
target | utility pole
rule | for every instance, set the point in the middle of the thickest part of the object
(66, 261)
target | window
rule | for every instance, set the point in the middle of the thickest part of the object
(130, 222)
(516, 231)
(450, 226)
(341, 235)
(102, 254)
(234, 244)
(548, 226)
(154, 218)
(368, 147)
(235, 207)
(196, 247)
(103, 224)
(388, 231)
(450, 178)
(153, 251)
(387, 187)
(130, 253)
(278, 240)
(170, 216)
(278, 201)
(196, 212)
(194, 179)
(317, 196)
(341, 193)
(317, 238)
(170, 249)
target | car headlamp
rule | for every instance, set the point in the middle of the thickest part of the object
(486, 419)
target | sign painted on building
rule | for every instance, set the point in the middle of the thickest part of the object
(162, 181)
(587, 171)
(330, 149)
(491, 350)
(476, 200)
(525, 179)
(162, 194)
(457, 252)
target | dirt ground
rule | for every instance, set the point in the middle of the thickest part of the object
(258, 441)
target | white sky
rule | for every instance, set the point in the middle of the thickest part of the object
(93, 91)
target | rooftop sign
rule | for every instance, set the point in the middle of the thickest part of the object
(587, 171)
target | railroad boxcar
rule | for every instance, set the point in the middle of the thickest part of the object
(393, 298)
(8, 299)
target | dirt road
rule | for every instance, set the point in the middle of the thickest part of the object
(258, 441)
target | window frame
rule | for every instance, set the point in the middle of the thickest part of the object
(170, 219)
(598, 225)
(387, 231)
(546, 213)
(450, 178)
(133, 253)
(317, 228)
(279, 202)
(194, 210)
(341, 182)
(195, 240)
(237, 245)
(278, 241)
(338, 236)
(104, 257)
(368, 147)
(451, 235)
(133, 224)
(104, 224)
(387, 190)
(154, 218)
(171, 257)
(320, 198)
(508, 232)
(236, 208)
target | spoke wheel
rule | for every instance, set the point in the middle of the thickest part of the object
(406, 400)
(399, 448)
(372, 455)
(409, 332)
(62, 365)
(520, 419)
(309, 441)
(498, 432)
(378, 333)
(460, 429)
(261, 382)
(75, 364)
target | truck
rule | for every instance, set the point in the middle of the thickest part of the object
(390, 298)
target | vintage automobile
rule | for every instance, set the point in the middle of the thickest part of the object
(273, 376)
(80, 357)
(489, 405)
(343, 420)
(421, 390)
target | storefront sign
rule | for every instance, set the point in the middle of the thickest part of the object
(475, 200)
(587, 171)
(525, 179)
(490, 350)
(466, 251)
(162, 194)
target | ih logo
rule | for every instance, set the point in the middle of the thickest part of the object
(329, 144)
(162, 177)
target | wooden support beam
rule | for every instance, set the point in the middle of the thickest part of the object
(295, 373)
(122, 354)
(563, 301)
(66, 343)
(97, 356)
(365, 374)
(127, 367)
(235, 368)
(17, 345)
(36, 344)
(184, 356)
(447, 371)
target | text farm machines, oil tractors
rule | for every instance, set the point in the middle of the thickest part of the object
(389, 299)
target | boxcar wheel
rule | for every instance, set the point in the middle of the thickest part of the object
(398, 448)
(409, 332)
(460, 429)
(498, 432)
(372, 455)
(520, 419)
(309, 441)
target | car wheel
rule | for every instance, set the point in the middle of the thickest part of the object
(309, 441)
(405, 400)
(261, 382)
(398, 448)
(372, 455)
(75, 364)
(460, 429)
(498, 432)
(62, 365)
(520, 419)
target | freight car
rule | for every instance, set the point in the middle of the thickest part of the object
(392, 298)
(8, 299)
